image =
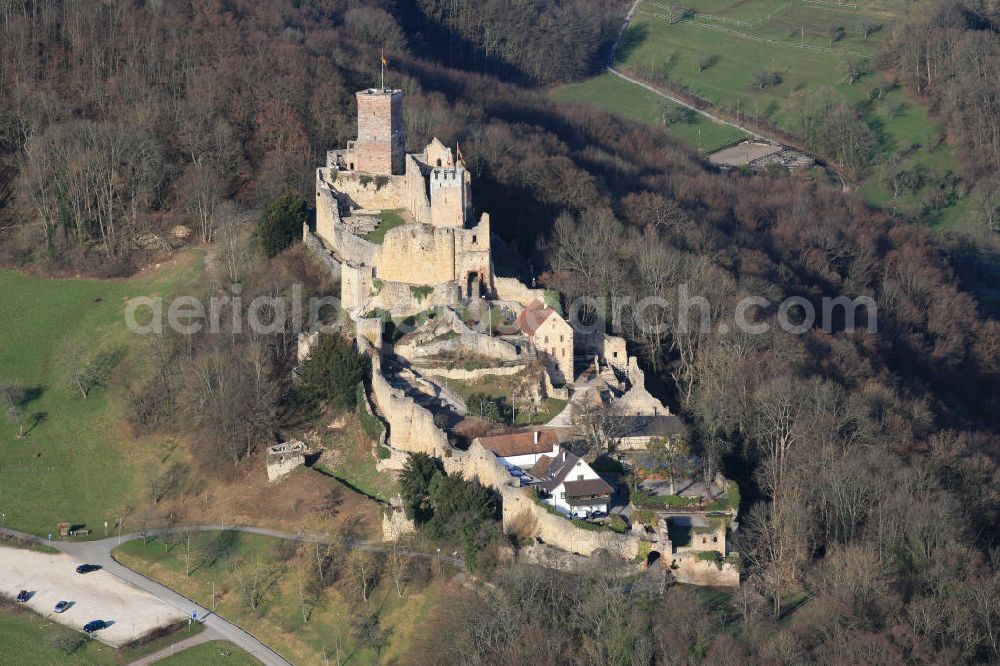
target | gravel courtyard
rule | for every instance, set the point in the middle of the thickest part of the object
(98, 595)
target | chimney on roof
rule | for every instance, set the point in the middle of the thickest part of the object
(536, 437)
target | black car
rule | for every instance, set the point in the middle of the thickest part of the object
(95, 625)
(22, 596)
(87, 568)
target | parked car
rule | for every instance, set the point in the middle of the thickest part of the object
(95, 625)
(23, 596)
(61, 606)
(87, 568)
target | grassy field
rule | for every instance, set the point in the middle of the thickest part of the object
(278, 620)
(713, 49)
(212, 653)
(78, 463)
(628, 100)
(29, 638)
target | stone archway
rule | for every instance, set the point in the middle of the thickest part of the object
(653, 558)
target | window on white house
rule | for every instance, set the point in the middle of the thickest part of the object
(579, 477)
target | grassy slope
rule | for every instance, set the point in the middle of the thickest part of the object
(278, 621)
(618, 96)
(79, 463)
(654, 47)
(212, 653)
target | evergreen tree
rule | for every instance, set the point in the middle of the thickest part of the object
(281, 223)
(415, 486)
(332, 371)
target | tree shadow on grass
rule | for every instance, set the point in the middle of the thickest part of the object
(631, 40)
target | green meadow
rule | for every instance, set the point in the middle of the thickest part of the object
(628, 100)
(714, 49)
(79, 462)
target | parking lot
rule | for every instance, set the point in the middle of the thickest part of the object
(130, 612)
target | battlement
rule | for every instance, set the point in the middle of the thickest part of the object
(447, 177)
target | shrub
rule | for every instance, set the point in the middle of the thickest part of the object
(644, 517)
(383, 452)
(333, 371)
(281, 223)
(522, 526)
(617, 524)
(422, 292)
(767, 78)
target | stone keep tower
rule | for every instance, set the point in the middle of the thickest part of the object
(448, 196)
(381, 145)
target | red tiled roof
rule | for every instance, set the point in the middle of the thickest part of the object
(541, 468)
(533, 316)
(520, 443)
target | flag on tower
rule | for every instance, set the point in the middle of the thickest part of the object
(461, 157)
(384, 61)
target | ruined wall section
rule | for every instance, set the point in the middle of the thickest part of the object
(472, 252)
(512, 289)
(354, 190)
(418, 254)
(411, 427)
(415, 191)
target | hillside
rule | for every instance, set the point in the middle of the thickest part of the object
(188, 136)
(787, 69)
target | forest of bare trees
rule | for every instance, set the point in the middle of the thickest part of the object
(948, 51)
(866, 460)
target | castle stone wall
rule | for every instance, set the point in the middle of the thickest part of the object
(700, 572)
(418, 254)
(512, 289)
(411, 427)
(359, 191)
(313, 242)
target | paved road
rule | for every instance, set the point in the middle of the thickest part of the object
(99, 552)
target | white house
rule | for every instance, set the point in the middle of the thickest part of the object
(571, 485)
(522, 449)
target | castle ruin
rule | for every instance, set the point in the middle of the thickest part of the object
(394, 220)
